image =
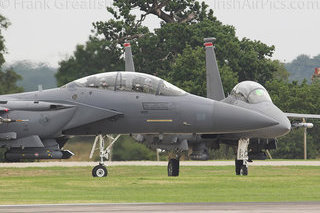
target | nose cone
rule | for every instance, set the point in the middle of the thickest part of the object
(272, 111)
(284, 125)
(228, 118)
(282, 128)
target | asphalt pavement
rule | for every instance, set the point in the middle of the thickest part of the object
(305, 207)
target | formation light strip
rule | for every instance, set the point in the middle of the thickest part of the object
(160, 120)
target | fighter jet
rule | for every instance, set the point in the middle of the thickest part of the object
(250, 145)
(36, 125)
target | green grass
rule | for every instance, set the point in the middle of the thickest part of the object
(150, 184)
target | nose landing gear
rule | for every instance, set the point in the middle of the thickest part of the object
(105, 153)
(100, 171)
(241, 163)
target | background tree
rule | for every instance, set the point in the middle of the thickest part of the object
(184, 24)
(93, 57)
(189, 72)
(281, 73)
(8, 78)
(128, 149)
(4, 24)
(298, 98)
(34, 74)
(8, 81)
(302, 67)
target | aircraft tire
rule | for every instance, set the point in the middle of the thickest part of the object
(173, 167)
(238, 165)
(244, 170)
(99, 171)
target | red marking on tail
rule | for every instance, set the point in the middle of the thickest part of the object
(208, 44)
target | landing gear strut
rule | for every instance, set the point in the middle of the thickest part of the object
(241, 163)
(101, 170)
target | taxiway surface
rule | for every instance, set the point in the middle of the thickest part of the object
(306, 207)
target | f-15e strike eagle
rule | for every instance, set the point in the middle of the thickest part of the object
(36, 125)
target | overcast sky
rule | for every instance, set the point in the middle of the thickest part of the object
(48, 30)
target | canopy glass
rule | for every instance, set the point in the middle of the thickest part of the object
(129, 82)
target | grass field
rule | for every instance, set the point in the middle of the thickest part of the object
(150, 184)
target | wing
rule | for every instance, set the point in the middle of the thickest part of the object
(297, 115)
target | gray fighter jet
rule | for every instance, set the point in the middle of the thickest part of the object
(36, 125)
(250, 144)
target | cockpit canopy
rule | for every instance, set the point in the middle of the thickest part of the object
(251, 92)
(129, 82)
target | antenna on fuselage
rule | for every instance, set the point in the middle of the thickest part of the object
(129, 65)
(214, 84)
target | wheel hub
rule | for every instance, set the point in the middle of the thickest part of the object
(100, 172)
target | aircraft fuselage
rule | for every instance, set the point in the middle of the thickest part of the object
(92, 111)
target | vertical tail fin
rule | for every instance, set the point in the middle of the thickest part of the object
(214, 84)
(129, 65)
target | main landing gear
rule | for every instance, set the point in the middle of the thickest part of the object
(241, 162)
(174, 164)
(101, 170)
(173, 167)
